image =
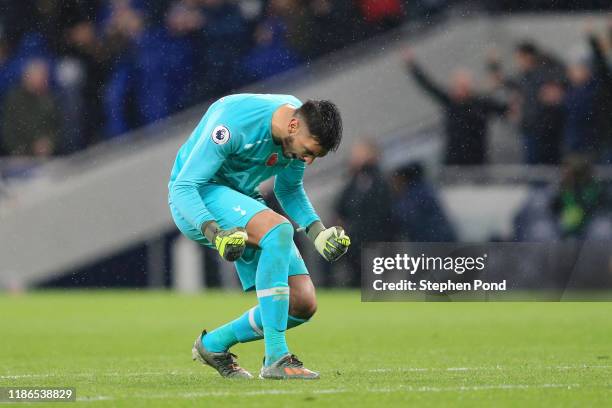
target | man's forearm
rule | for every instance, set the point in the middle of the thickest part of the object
(296, 204)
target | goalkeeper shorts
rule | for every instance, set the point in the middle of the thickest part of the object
(231, 208)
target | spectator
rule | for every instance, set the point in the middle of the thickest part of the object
(122, 24)
(80, 68)
(504, 146)
(31, 120)
(587, 125)
(13, 59)
(540, 86)
(580, 199)
(534, 222)
(269, 46)
(466, 113)
(323, 26)
(602, 102)
(335, 24)
(225, 38)
(580, 132)
(293, 19)
(184, 23)
(155, 65)
(417, 212)
(364, 206)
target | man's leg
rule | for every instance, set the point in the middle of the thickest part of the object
(249, 326)
(264, 228)
(274, 235)
(231, 209)
(303, 306)
(272, 286)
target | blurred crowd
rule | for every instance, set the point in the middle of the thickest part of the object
(377, 207)
(558, 107)
(75, 72)
(405, 206)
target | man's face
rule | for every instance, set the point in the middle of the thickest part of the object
(36, 77)
(524, 61)
(461, 84)
(578, 74)
(300, 144)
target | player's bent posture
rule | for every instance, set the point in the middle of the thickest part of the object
(241, 141)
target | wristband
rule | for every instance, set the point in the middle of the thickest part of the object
(210, 230)
(314, 229)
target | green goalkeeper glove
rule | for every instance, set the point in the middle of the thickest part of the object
(331, 242)
(230, 243)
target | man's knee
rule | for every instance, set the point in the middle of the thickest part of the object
(302, 301)
(303, 308)
(266, 222)
(279, 237)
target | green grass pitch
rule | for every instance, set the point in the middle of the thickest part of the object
(133, 349)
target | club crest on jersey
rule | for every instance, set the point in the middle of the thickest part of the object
(220, 135)
(272, 160)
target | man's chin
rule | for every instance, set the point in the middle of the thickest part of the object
(287, 155)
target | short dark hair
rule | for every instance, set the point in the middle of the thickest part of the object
(324, 122)
(411, 173)
(527, 47)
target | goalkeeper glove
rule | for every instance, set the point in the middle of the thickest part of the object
(331, 243)
(230, 243)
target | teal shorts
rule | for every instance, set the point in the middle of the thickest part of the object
(233, 209)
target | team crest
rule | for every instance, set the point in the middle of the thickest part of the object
(220, 135)
(272, 160)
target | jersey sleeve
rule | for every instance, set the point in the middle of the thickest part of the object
(216, 143)
(289, 190)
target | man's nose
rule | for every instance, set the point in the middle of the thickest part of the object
(308, 160)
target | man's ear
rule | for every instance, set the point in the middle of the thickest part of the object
(294, 125)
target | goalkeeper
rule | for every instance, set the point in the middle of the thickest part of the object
(241, 141)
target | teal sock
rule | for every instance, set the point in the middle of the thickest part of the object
(248, 327)
(271, 283)
(294, 321)
(274, 331)
(220, 339)
(244, 329)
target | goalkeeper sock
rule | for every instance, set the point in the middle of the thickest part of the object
(293, 321)
(244, 329)
(220, 339)
(248, 327)
(271, 283)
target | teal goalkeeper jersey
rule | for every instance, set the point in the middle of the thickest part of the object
(232, 146)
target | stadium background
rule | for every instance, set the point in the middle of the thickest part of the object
(97, 96)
